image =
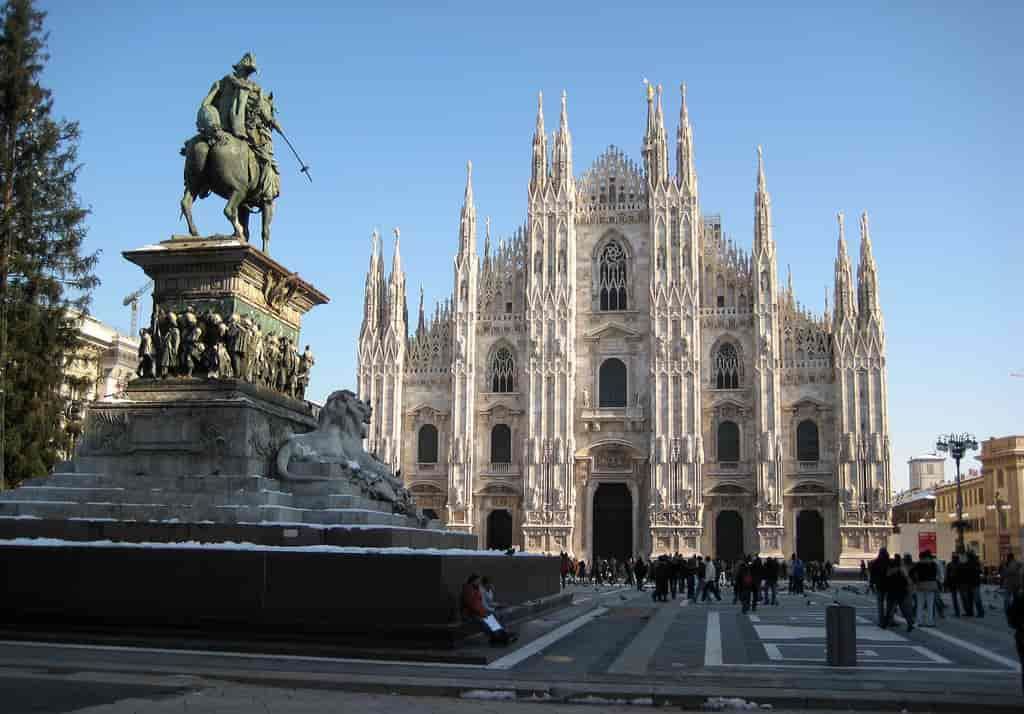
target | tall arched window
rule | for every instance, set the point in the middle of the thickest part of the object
(728, 441)
(426, 447)
(612, 383)
(501, 444)
(725, 367)
(501, 373)
(612, 278)
(807, 441)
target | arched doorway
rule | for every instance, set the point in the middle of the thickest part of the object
(729, 535)
(499, 530)
(810, 536)
(613, 521)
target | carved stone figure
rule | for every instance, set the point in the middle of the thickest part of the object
(169, 345)
(586, 398)
(232, 154)
(146, 364)
(190, 355)
(306, 363)
(338, 438)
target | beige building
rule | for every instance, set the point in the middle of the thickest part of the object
(1003, 471)
(619, 377)
(101, 367)
(972, 488)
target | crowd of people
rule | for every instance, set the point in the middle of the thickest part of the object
(753, 580)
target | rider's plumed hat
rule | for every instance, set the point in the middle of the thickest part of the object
(248, 62)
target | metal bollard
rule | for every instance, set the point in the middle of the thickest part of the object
(841, 635)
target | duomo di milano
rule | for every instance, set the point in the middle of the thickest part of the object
(618, 378)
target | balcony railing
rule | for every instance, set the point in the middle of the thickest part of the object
(426, 466)
(807, 466)
(499, 468)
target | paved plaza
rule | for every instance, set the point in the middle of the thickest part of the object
(613, 644)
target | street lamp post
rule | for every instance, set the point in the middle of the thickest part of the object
(955, 445)
(1000, 507)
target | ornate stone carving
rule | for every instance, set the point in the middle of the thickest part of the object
(106, 431)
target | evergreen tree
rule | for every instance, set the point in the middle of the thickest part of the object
(45, 279)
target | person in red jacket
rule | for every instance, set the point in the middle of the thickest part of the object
(473, 608)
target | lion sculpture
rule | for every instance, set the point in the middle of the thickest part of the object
(338, 439)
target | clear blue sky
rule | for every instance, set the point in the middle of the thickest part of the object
(913, 113)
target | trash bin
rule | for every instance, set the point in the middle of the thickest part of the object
(841, 635)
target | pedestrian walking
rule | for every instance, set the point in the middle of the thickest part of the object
(797, 570)
(1015, 615)
(897, 593)
(970, 587)
(771, 581)
(640, 571)
(877, 574)
(710, 581)
(925, 575)
(1009, 576)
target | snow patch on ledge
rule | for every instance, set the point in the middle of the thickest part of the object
(232, 545)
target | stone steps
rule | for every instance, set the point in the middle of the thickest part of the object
(222, 499)
(180, 484)
(152, 495)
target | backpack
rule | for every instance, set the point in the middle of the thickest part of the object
(748, 580)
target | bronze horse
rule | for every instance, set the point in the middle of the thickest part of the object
(227, 166)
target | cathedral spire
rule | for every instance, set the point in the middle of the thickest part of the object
(397, 311)
(539, 167)
(561, 152)
(487, 240)
(685, 170)
(374, 302)
(867, 275)
(467, 221)
(762, 210)
(655, 145)
(396, 258)
(422, 322)
(844, 305)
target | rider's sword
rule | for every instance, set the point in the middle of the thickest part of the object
(303, 164)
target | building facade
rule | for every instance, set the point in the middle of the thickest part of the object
(1002, 466)
(926, 471)
(618, 377)
(972, 493)
(101, 366)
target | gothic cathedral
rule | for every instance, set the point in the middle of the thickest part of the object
(617, 377)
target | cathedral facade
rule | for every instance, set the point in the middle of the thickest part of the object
(617, 377)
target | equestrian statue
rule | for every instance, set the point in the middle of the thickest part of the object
(232, 155)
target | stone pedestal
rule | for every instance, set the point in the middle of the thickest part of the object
(225, 275)
(174, 426)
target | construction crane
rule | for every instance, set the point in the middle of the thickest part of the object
(133, 300)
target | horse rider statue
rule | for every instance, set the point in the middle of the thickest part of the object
(232, 154)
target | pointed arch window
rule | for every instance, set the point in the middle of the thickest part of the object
(728, 441)
(501, 444)
(725, 367)
(612, 277)
(426, 446)
(501, 372)
(807, 445)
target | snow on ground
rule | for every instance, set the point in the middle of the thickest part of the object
(733, 704)
(489, 694)
(231, 545)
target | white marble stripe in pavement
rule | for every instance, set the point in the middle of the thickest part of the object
(970, 647)
(637, 655)
(713, 641)
(543, 642)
